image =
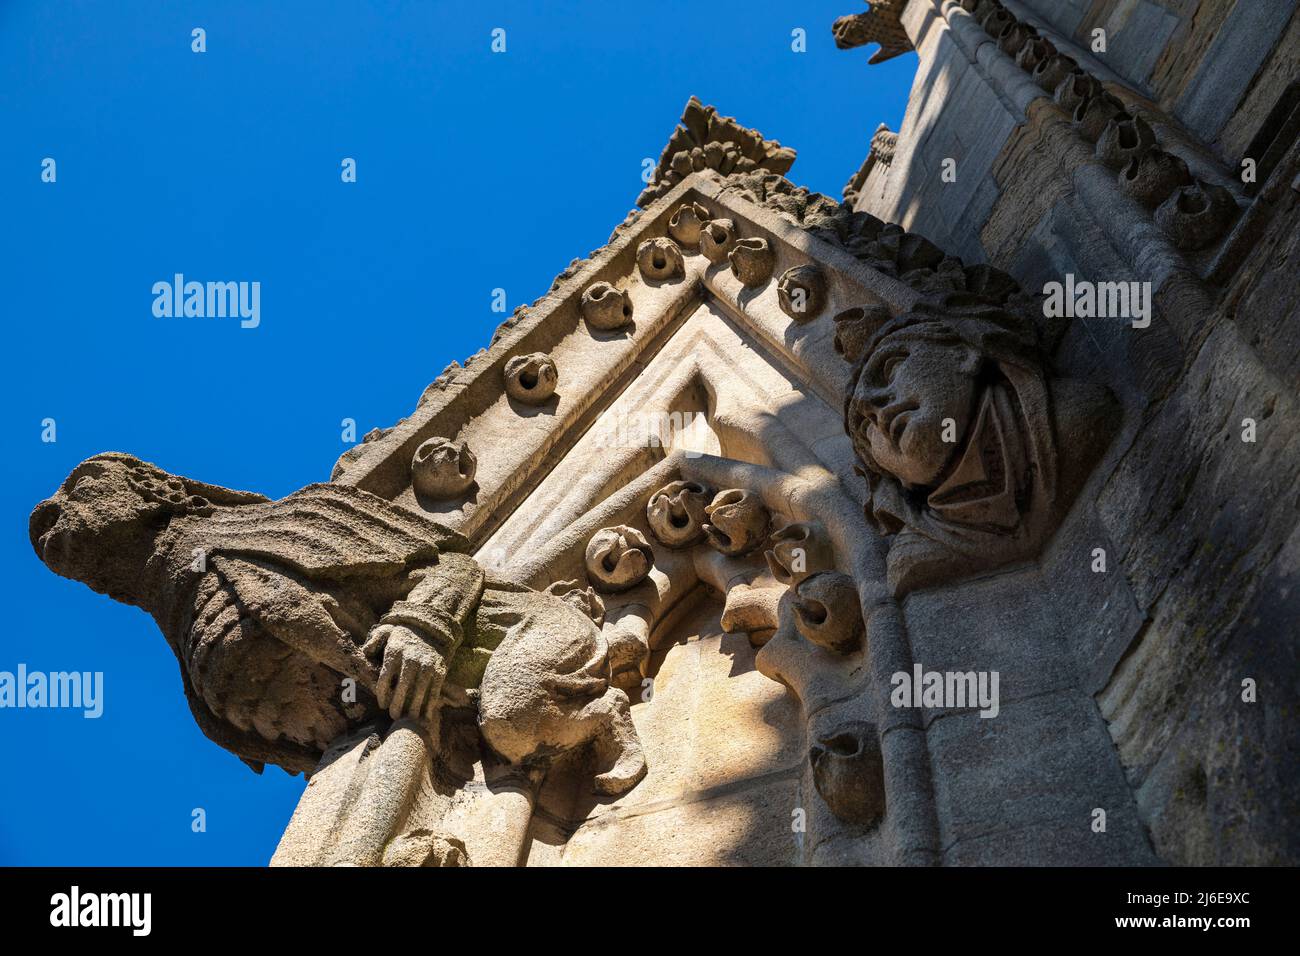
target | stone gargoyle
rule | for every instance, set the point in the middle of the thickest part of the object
(300, 620)
(972, 449)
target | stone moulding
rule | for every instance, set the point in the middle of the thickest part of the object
(556, 325)
(1094, 99)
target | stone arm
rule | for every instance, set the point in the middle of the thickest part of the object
(441, 605)
(418, 635)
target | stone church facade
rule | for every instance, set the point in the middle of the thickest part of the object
(952, 523)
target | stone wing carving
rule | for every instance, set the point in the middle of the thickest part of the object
(300, 621)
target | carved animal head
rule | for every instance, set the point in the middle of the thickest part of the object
(100, 527)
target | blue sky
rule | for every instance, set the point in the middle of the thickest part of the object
(476, 171)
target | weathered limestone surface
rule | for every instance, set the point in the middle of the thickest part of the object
(1198, 525)
(725, 745)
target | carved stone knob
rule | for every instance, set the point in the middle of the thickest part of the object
(659, 259)
(752, 261)
(618, 558)
(605, 307)
(584, 599)
(685, 225)
(799, 550)
(1196, 215)
(531, 379)
(716, 239)
(827, 612)
(1091, 116)
(443, 468)
(1050, 71)
(1124, 138)
(1152, 176)
(737, 521)
(1035, 50)
(854, 328)
(1075, 88)
(849, 773)
(801, 292)
(676, 513)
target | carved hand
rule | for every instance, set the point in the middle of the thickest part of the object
(411, 676)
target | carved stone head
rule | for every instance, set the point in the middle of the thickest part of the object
(101, 526)
(531, 379)
(443, 468)
(618, 558)
(955, 417)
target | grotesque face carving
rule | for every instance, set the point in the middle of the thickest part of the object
(907, 389)
(443, 468)
(676, 515)
(531, 379)
(618, 558)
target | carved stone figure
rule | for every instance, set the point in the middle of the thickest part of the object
(270, 605)
(585, 600)
(955, 417)
(546, 688)
(880, 24)
(298, 621)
